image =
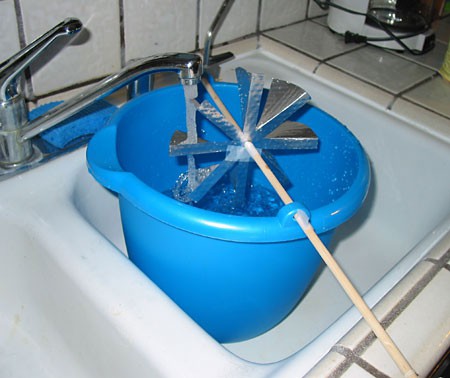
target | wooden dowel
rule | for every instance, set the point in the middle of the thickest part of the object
(387, 342)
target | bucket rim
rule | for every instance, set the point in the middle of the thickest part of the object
(103, 164)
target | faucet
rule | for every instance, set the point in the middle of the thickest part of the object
(17, 131)
(211, 63)
(208, 59)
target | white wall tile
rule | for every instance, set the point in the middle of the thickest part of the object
(150, 27)
(158, 26)
(314, 10)
(9, 37)
(281, 12)
(92, 55)
(241, 19)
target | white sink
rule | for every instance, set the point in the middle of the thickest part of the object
(73, 305)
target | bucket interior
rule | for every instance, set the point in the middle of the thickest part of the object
(318, 177)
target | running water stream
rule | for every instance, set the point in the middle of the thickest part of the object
(190, 93)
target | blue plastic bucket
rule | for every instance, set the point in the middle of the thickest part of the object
(236, 276)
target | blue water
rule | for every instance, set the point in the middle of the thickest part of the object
(259, 200)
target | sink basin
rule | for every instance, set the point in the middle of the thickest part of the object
(73, 305)
(71, 302)
(58, 315)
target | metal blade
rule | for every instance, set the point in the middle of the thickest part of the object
(290, 136)
(283, 100)
(215, 175)
(251, 86)
(276, 169)
(239, 179)
(179, 146)
(214, 116)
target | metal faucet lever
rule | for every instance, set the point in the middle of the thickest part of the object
(208, 59)
(14, 66)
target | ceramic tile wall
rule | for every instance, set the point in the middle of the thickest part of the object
(242, 19)
(94, 54)
(151, 28)
(119, 30)
(277, 13)
(9, 38)
(404, 78)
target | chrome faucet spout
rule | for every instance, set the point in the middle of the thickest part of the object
(188, 66)
(16, 130)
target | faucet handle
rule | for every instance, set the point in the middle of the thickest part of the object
(11, 68)
(208, 59)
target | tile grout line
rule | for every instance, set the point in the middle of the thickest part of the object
(289, 46)
(417, 84)
(418, 105)
(443, 261)
(360, 47)
(391, 104)
(69, 88)
(258, 26)
(122, 33)
(396, 310)
(359, 78)
(396, 96)
(20, 27)
(197, 27)
(258, 21)
(410, 59)
(283, 26)
(353, 358)
(22, 44)
(317, 67)
(412, 87)
(308, 3)
(423, 65)
(237, 39)
(320, 62)
(316, 18)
